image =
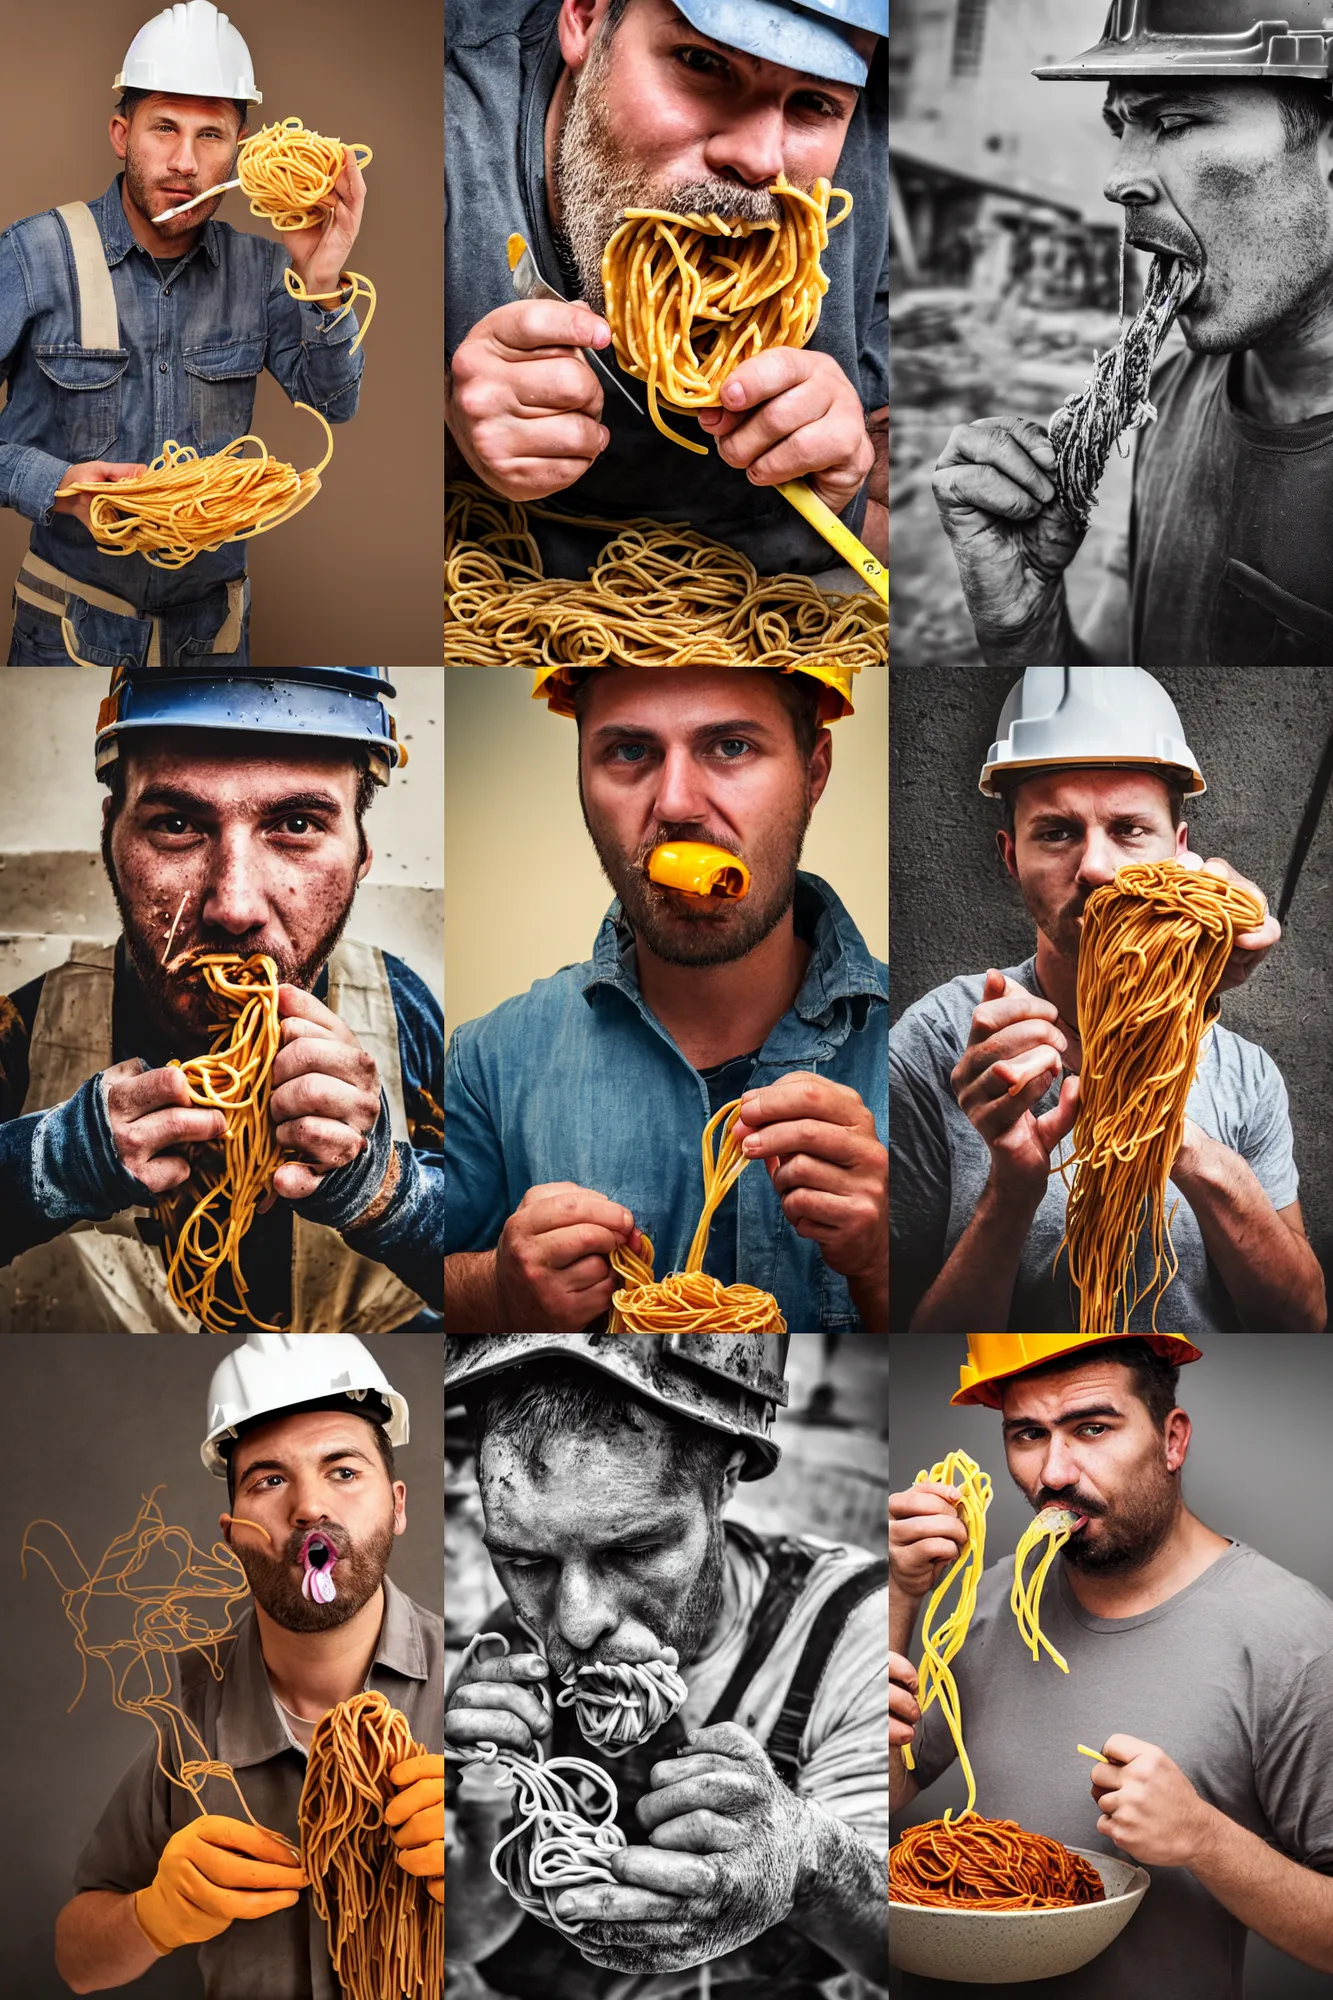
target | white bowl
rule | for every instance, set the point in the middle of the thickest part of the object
(987, 1947)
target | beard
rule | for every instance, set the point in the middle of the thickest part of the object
(1134, 1530)
(359, 1574)
(596, 181)
(146, 196)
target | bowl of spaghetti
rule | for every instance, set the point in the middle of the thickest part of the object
(984, 1901)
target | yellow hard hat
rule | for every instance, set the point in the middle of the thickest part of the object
(991, 1357)
(556, 685)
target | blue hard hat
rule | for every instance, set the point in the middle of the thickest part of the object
(341, 704)
(809, 35)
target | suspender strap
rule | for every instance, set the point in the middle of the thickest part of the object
(784, 1743)
(788, 1567)
(99, 324)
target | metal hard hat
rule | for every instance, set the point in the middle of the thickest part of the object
(190, 50)
(728, 1382)
(807, 35)
(556, 685)
(1215, 38)
(992, 1357)
(342, 704)
(273, 1372)
(1088, 715)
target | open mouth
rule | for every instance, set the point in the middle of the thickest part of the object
(319, 1558)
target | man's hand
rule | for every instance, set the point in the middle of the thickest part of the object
(727, 1840)
(523, 405)
(212, 1872)
(500, 1703)
(326, 1093)
(151, 1116)
(93, 472)
(1249, 949)
(416, 1819)
(319, 254)
(791, 413)
(1148, 1805)
(552, 1264)
(904, 1711)
(925, 1537)
(824, 1158)
(1012, 1057)
(1012, 540)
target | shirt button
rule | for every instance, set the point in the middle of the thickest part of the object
(161, 367)
(166, 291)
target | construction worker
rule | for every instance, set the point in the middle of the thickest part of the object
(1200, 1669)
(756, 1814)
(1092, 769)
(303, 1429)
(565, 113)
(119, 331)
(1225, 130)
(574, 1111)
(234, 823)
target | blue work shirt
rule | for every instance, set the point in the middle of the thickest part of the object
(192, 343)
(576, 1080)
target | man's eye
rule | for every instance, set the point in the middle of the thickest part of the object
(171, 823)
(629, 753)
(649, 1549)
(300, 823)
(823, 107)
(733, 747)
(705, 61)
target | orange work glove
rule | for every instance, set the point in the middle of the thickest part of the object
(417, 1819)
(211, 1872)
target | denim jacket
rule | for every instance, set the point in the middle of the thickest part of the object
(191, 348)
(576, 1080)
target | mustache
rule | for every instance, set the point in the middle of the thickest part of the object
(727, 199)
(1073, 1501)
(334, 1534)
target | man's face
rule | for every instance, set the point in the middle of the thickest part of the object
(704, 754)
(174, 148)
(601, 1551)
(261, 841)
(1085, 1441)
(1204, 172)
(1072, 830)
(316, 1476)
(662, 117)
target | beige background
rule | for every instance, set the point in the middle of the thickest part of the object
(356, 577)
(54, 890)
(524, 890)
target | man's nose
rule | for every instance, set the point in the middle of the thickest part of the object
(1098, 861)
(1132, 181)
(1060, 1472)
(682, 790)
(582, 1614)
(750, 147)
(234, 900)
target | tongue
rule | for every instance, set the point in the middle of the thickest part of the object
(317, 1584)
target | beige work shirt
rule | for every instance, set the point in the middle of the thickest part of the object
(284, 1956)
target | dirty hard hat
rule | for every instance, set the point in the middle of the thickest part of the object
(728, 1382)
(555, 686)
(813, 36)
(273, 1373)
(190, 50)
(342, 704)
(1216, 38)
(993, 1357)
(1057, 716)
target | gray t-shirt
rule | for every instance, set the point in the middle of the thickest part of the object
(1232, 1677)
(502, 65)
(941, 1163)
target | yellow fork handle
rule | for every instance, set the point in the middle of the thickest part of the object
(826, 523)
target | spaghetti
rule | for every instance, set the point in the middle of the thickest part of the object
(289, 173)
(385, 1931)
(185, 506)
(939, 1646)
(619, 1704)
(689, 297)
(1086, 427)
(1054, 1526)
(691, 1300)
(988, 1864)
(658, 595)
(1153, 948)
(206, 1219)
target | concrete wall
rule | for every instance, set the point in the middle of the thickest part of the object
(1258, 737)
(52, 885)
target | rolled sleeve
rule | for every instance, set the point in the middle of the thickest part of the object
(310, 351)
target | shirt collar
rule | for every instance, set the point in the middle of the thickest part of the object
(118, 239)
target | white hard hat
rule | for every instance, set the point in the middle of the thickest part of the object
(190, 50)
(1089, 715)
(273, 1372)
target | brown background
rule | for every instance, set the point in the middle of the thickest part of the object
(356, 577)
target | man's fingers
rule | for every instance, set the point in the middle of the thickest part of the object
(322, 1142)
(607, 1902)
(669, 1874)
(700, 1832)
(1001, 1010)
(838, 1145)
(530, 324)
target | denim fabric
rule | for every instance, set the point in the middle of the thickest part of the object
(502, 67)
(192, 344)
(576, 1080)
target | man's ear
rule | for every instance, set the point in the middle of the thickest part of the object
(119, 131)
(1182, 838)
(1004, 841)
(576, 26)
(731, 1477)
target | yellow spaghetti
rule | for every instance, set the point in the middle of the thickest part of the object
(658, 595)
(690, 297)
(1153, 948)
(289, 174)
(690, 1300)
(185, 506)
(1054, 1526)
(940, 1645)
(386, 1932)
(206, 1219)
